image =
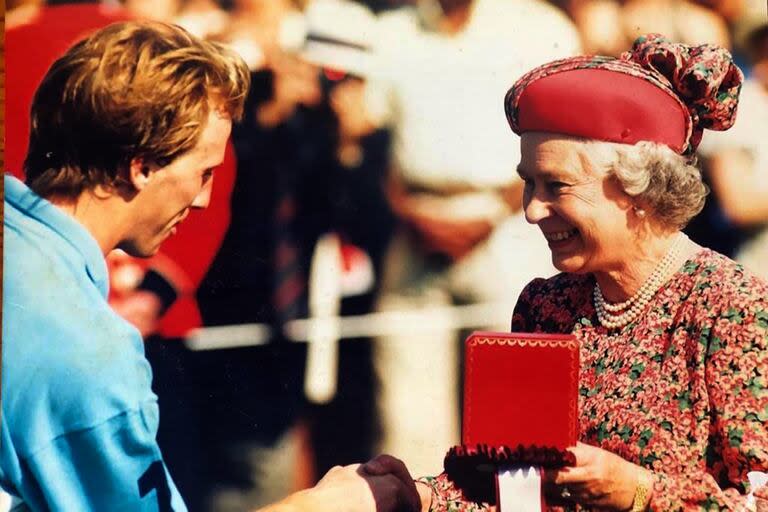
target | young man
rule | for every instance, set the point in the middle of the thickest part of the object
(126, 130)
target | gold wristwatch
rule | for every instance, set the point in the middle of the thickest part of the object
(642, 492)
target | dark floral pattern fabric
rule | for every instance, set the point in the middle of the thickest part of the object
(703, 76)
(683, 391)
(702, 79)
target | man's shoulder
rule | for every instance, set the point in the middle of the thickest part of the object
(68, 360)
(44, 281)
(69, 380)
(29, 246)
(64, 332)
(41, 262)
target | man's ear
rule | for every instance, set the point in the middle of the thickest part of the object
(139, 172)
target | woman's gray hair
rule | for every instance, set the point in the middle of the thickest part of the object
(666, 183)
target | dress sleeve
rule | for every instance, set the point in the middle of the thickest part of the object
(736, 369)
(447, 498)
(114, 466)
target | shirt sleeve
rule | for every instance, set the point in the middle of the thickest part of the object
(736, 355)
(446, 497)
(114, 466)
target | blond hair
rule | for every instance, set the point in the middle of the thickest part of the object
(131, 90)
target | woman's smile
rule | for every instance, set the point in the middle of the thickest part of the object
(559, 240)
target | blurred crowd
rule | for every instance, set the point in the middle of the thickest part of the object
(377, 126)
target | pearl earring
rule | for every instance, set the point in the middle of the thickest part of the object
(639, 212)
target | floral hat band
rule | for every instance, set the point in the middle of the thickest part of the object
(658, 91)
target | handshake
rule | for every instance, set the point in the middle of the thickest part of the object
(382, 484)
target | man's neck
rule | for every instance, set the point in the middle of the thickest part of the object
(102, 214)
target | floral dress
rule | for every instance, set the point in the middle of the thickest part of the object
(682, 391)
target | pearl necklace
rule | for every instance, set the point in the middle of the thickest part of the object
(614, 316)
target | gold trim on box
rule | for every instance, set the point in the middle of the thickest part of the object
(538, 342)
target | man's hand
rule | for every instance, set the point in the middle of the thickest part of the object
(295, 83)
(348, 102)
(381, 485)
(599, 478)
(438, 230)
(398, 494)
(454, 238)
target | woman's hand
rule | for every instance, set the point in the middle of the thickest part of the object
(599, 478)
(425, 494)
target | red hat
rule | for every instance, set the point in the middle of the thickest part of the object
(658, 91)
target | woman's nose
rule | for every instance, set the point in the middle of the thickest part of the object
(535, 208)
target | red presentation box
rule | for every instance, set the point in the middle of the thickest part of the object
(521, 389)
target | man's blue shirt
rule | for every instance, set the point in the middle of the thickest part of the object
(79, 418)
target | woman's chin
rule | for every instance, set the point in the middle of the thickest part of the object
(570, 263)
(568, 255)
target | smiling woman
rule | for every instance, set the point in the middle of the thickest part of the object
(674, 337)
(614, 184)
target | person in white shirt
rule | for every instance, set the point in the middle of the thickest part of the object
(442, 71)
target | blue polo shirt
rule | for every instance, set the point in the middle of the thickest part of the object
(79, 418)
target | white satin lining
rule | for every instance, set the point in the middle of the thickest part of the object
(519, 489)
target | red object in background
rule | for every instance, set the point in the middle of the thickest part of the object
(334, 75)
(191, 250)
(521, 389)
(30, 49)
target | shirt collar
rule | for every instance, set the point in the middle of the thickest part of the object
(81, 240)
